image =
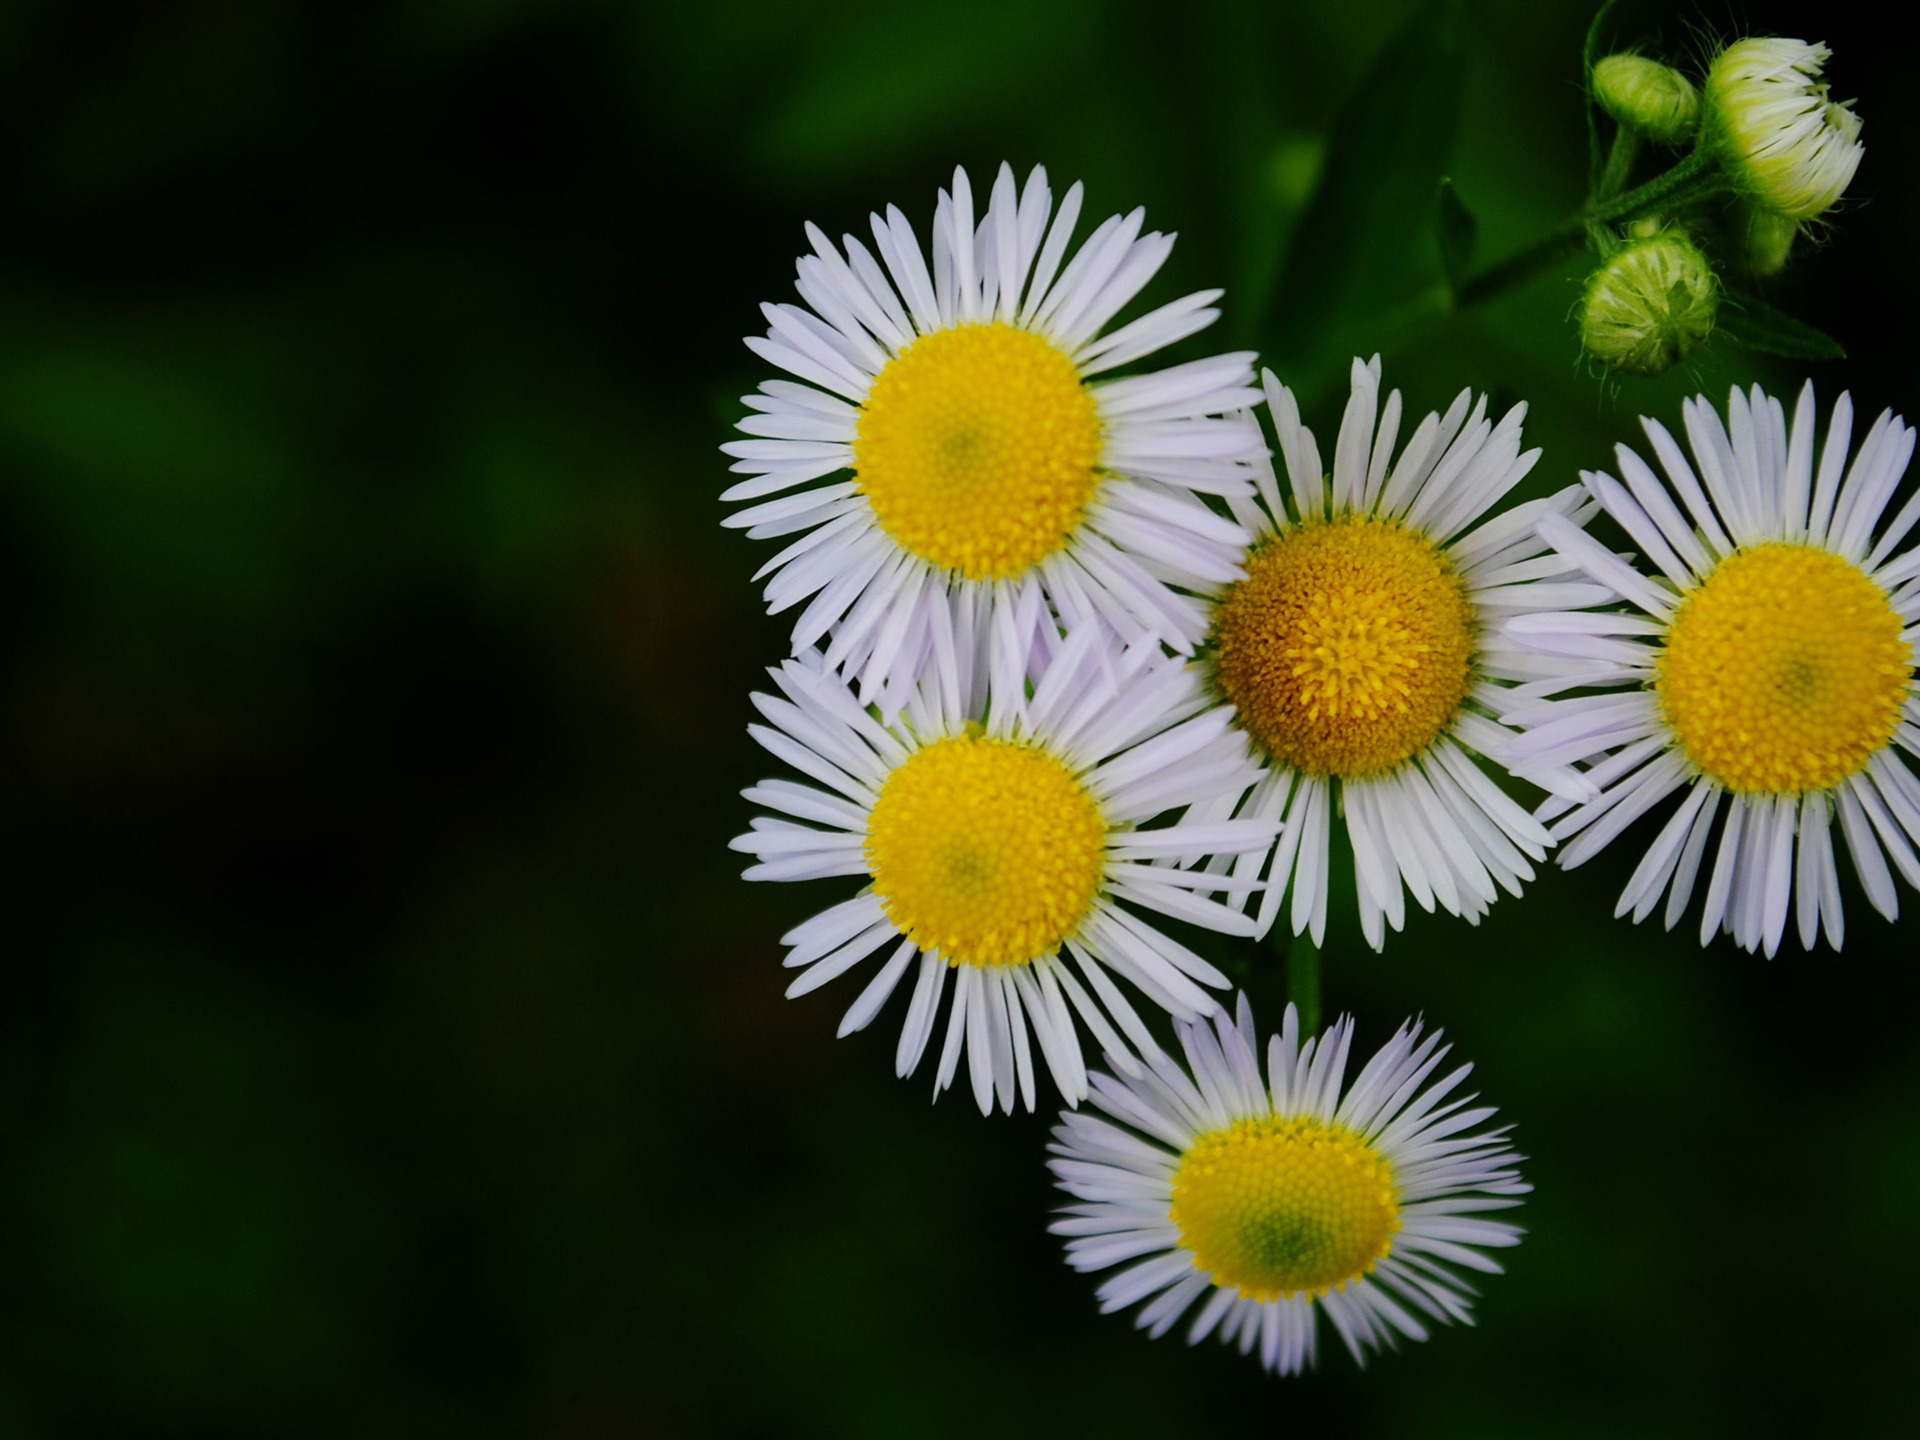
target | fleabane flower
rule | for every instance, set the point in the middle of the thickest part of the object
(950, 432)
(1768, 674)
(1365, 654)
(1766, 114)
(1282, 1197)
(1004, 838)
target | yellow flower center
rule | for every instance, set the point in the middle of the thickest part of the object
(1784, 670)
(976, 448)
(1274, 1207)
(987, 851)
(1347, 647)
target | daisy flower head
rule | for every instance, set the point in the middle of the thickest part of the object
(1788, 147)
(1282, 1197)
(1001, 826)
(1768, 674)
(1365, 654)
(954, 432)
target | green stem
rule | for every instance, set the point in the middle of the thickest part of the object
(1589, 54)
(1692, 179)
(1303, 982)
(1620, 158)
(1549, 250)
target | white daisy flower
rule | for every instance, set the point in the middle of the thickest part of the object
(1365, 653)
(1769, 674)
(1283, 1198)
(1788, 147)
(948, 434)
(1001, 822)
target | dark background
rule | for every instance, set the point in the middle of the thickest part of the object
(393, 1048)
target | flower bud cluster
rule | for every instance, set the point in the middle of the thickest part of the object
(1763, 127)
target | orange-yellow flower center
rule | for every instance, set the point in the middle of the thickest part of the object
(987, 851)
(1784, 670)
(1274, 1207)
(1348, 647)
(977, 448)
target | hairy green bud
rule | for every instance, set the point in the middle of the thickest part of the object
(1646, 97)
(1764, 238)
(1650, 305)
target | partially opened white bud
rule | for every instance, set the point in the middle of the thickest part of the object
(1787, 147)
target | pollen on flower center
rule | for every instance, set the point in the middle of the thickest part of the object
(987, 851)
(1784, 671)
(1274, 1207)
(1348, 647)
(977, 448)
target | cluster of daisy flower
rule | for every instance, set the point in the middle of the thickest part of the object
(1076, 664)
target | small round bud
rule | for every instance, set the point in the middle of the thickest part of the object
(1785, 145)
(1650, 306)
(1646, 97)
(1764, 238)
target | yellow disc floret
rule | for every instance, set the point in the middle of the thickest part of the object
(1784, 670)
(1274, 1207)
(1348, 647)
(987, 851)
(976, 448)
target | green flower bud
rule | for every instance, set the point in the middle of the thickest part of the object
(1764, 238)
(1785, 145)
(1646, 97)
(1650, 306)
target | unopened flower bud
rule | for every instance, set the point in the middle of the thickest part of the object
(1646, 97)
(1785, 145)
(1650, 306)
(1764, 237)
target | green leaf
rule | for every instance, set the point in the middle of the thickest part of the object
(1362, 248)
(1456, 230)
(1596, 153)
(1750, 321)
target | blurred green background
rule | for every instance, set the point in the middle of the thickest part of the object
(394, 1049)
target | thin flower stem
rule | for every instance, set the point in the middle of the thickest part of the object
(1303, 982)
(1556, 245)
(1692, 179)
(1620, 158)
